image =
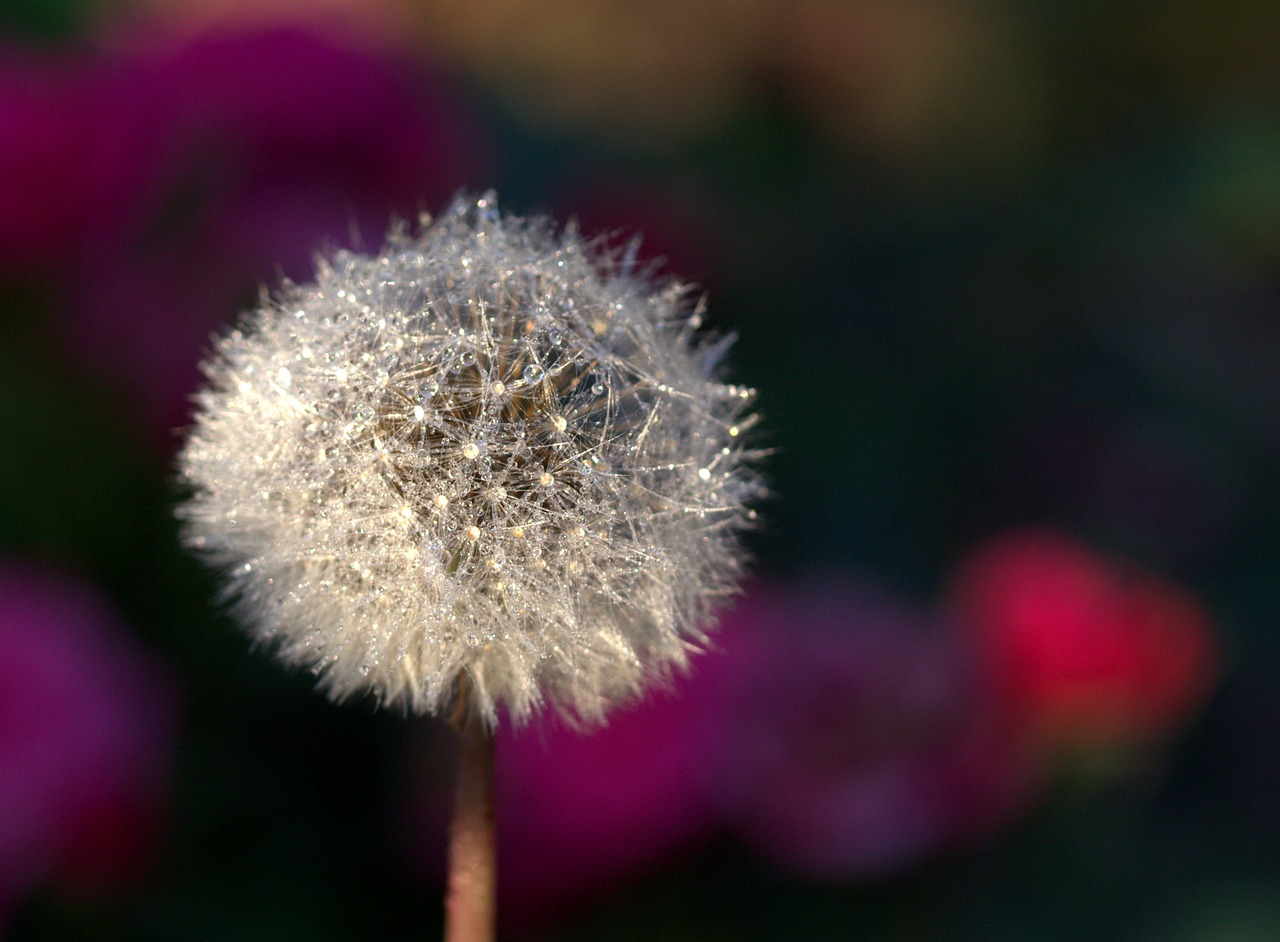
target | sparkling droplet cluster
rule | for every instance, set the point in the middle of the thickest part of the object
(491, 450)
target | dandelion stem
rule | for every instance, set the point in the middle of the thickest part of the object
(469, 906)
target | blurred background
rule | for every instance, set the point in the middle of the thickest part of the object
(1006, 274)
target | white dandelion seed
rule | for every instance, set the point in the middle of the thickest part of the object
(491, 452)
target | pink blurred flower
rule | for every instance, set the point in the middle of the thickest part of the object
(1087, 650)
(861, 740)
(85, 735)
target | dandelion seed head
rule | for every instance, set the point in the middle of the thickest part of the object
(491, 450)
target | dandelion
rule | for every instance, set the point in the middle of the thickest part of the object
(491, 468)
(489, 451)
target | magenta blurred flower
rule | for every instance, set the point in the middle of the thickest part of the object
(859, 739)
(72, 173)
(1086, 650)
(580, 813)
(163, 186)
(86, 728)
(680, 229)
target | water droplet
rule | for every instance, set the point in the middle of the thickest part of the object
(704, 474)
(419, 413)
(467, 357)
(556, 338)
(498, 387)
(734, 431)
(470, 451)
(473, 532)
(441, 501)
(597, 389)
(533, 373)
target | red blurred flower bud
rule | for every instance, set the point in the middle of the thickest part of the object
(1087, 650)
